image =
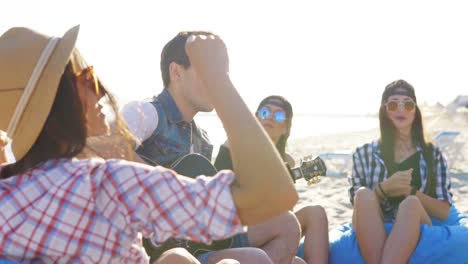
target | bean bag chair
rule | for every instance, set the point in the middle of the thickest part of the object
(444, 242)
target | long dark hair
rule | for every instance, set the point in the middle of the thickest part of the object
(286, 105)
(388, 133)
(64, 132)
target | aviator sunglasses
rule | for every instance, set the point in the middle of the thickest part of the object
(393, 106)
(265, 113)
(89, 75)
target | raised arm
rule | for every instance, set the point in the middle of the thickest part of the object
(264, 187)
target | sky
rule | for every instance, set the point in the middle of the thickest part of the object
(326, 57)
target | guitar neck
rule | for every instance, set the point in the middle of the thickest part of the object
(310, 170)
(297, 173)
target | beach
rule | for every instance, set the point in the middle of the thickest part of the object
(332, 194)
(332, 191)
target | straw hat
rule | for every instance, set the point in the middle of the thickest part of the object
(31, 66)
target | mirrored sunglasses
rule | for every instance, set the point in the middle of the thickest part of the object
(394, 106)
(265, 113)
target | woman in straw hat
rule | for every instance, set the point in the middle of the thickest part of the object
(99, 128)
(56, 208)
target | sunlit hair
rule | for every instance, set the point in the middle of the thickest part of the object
(387, 141)
(286, 106)
(118, 127)
(174, 51)
(64, 133)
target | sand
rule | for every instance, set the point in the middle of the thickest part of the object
(332, 191)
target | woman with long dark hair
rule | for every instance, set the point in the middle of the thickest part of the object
(275, 114)
(401, 179)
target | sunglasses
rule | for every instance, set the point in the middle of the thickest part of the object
(265, 113)
(90, 76)
(393, 106)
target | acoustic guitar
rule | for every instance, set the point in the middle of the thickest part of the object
(190, 165)
(193, 165)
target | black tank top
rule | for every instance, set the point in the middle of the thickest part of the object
(411, 162)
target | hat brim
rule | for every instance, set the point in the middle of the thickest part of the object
(40, 103)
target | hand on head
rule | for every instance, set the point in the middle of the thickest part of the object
(208, 55)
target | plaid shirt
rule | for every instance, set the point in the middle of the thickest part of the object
(369, 169)
(92, 211)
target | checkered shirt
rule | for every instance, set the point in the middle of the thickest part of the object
(93, 211)
(369, 169)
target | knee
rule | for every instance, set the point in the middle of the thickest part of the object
(410, 203)
(312, 214)
(316, 210)
(364, 196)
(239, 255)
(298, 260)
(288, 224)
(228, 261)
(257, 255)
(176, 255)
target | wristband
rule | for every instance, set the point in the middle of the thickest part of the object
(381, 190)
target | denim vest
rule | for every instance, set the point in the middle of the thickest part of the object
(172, 137)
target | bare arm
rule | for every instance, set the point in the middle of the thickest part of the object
(400, 184)
(436, 208)
(260, 193)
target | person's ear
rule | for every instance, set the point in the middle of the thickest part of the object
(174, 72)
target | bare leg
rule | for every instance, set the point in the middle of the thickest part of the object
(176, 255)
(369, 226)
(298, 260)
(314, 225)
(404, 237)
(242, 255)
(228, 261)
(278, 237)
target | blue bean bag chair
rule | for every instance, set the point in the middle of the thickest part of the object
(444, 242)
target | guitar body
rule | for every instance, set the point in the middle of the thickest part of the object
(190, 165)
(193, 165)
